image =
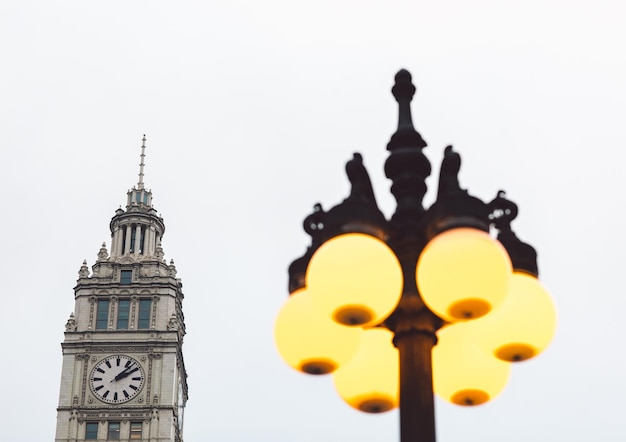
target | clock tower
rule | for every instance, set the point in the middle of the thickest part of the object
(123, 375)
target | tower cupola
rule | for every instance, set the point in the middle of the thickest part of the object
(137, 231)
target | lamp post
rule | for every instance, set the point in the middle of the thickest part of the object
(429, 289)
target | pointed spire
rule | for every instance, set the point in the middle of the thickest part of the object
(103, 254)
(142, 163)
(70, 325)
(172, 268)
(84, 270)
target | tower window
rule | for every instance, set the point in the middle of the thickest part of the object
(126, 276)
(114, 431)
(91, 431)
(144, 314)
(133, 234)
(123, 239)
(143, 237)
(122, 314)
(102, 314)
(135, 430)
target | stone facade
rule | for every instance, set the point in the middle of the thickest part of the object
(130, 304)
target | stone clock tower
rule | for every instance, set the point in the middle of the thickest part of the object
(123, 375)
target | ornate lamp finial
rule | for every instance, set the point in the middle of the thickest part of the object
(406, 135)
(359, 178)
(523, 255)
(407, 166)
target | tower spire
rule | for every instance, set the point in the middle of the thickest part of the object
(142, 164)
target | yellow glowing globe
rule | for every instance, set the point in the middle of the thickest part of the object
(310, 342)
(463, 373)
(463, 274)
(355, 279)
(369, 382)
(523, 326)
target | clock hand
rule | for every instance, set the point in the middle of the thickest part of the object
(122, 374)
(126, 372)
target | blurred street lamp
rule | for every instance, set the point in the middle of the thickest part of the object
(425, 302)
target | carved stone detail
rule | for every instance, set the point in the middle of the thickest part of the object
(84, 270)
(92, 308)
(149, 378)
(103, 255)
(111, 314)
(173, 323)
(83, 390)
(134, 299)
(70, 325)
(155, 299)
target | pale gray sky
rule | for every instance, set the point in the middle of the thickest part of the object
(251, 110)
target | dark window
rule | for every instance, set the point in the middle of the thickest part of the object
(138, 197)
(145, 198)
(102, 314)
(122, 314)
(91, 431)
(124, 240)
(114, 431)
(135, 430)
(143, 237)
(144, 313)
(126, 276)
(133, 234)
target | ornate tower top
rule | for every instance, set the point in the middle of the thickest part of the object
(139, 197)
(138, 230)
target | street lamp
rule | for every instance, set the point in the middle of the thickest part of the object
(425, 302)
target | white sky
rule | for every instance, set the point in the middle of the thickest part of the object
(251, 110)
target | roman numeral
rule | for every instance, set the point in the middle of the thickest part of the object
(96, 379)
(106, 394)
(100, 370)
(114, 396)
(100, 387)
(125, 394)
(118, 362)
(127, 364)
(133, 387)
(108, 364)
(137, 378)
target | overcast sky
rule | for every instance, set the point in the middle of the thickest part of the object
(251, 109)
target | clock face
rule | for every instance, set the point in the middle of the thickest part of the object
(116, 379)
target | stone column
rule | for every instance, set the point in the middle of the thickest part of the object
(137, 239)
(127, 243)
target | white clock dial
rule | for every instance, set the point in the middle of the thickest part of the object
(116, 379)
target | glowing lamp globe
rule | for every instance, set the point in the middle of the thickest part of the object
(523, 326)
(369, 382)
(463, 274)
(355, 279)
(463, 373)
(310, 342)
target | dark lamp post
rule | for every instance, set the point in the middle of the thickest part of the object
(425, 303)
